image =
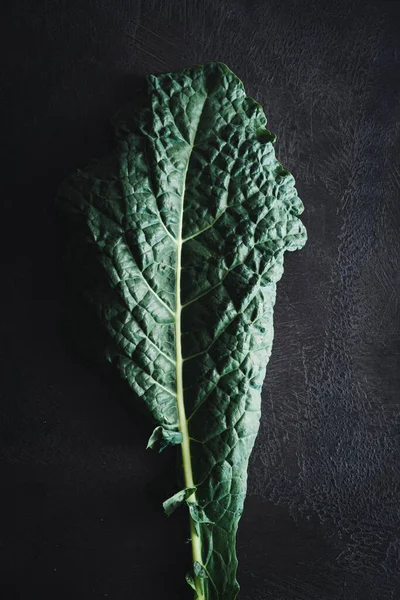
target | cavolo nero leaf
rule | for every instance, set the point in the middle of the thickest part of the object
(177, 240)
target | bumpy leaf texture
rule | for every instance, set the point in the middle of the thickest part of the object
(179, 240)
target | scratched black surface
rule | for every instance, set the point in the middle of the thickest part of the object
(80, 496)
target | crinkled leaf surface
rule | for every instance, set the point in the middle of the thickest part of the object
(178, 239)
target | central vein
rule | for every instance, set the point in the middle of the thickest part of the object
(183, 422)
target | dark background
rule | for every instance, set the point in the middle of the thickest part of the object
(80, 496)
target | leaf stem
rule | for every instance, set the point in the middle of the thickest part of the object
(183, 425)
(183, 422)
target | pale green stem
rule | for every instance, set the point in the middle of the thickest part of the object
(183, 423)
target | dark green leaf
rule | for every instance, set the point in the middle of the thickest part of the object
(162, 437)
(199, 517)
(177, 500)
(199, 570)
(177, 245)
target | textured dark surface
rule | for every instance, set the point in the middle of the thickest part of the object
(80, 495)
